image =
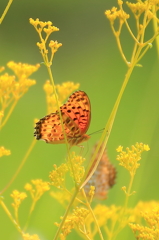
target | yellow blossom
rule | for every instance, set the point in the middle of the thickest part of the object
(14, 87)
(57, 176)
(44, 30)
(76, 168)
(40, 25)
(54, 45)
(2, 69)
(18, 197)
(37, 188)
(4, 152)
(63, 91)
(114, 14)
(1, 114)
(130, 158)
(75, 220)
(27, 236)
(92, 191)
(23, 70)
(119, 149)
(150, 212)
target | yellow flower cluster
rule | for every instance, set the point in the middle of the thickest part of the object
(114, 14)
(57, 176)
(75, 166)
(104, 214)
(91, 192)
(38, 190)
(27, 236)
(18, 197)
(150, 213)
(4, 152)
(75, 220)
(142, 6)
(130, 158)
(63, 90)
(45, 28)
(13, 87)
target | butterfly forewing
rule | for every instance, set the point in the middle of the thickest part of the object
(76, 114)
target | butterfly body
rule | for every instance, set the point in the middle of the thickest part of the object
(76, 115)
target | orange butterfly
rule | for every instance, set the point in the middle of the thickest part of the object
(76, 116)
(103, 178)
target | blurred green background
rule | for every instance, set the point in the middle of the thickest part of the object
(89, 56)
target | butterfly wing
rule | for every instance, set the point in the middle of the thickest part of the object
(78, 111)
(76, 114)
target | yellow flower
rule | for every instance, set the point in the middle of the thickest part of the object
(37, 188)
(4, 152)
(130, 158)
(18, 197)
(76, 168)
(44, 30)
(2, 69)
(14, 87)
(63, 91)
(75, 220)
(57, 176)
(40, 25)
(54, 45)
(114, 14)
(119, 149)
(23, 70)
(27, 236)
(150, 212)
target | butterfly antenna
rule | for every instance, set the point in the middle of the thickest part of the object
(101, 130)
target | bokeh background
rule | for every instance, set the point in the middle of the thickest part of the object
(89, 56)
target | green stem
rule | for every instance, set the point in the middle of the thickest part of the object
(105, 136)
(20, 167)
(58, 107)
(128, 193)
(9, 113)
(10, 216)
(5, 11)
(91, 211)
(66, 213)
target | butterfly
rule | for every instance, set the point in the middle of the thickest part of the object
(76, 116)
(103, 178)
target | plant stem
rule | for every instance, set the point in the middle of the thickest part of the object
(20, 167)
(66, 213)
(10, 216)
(9, 113)
(5, 11)
(94, 217)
